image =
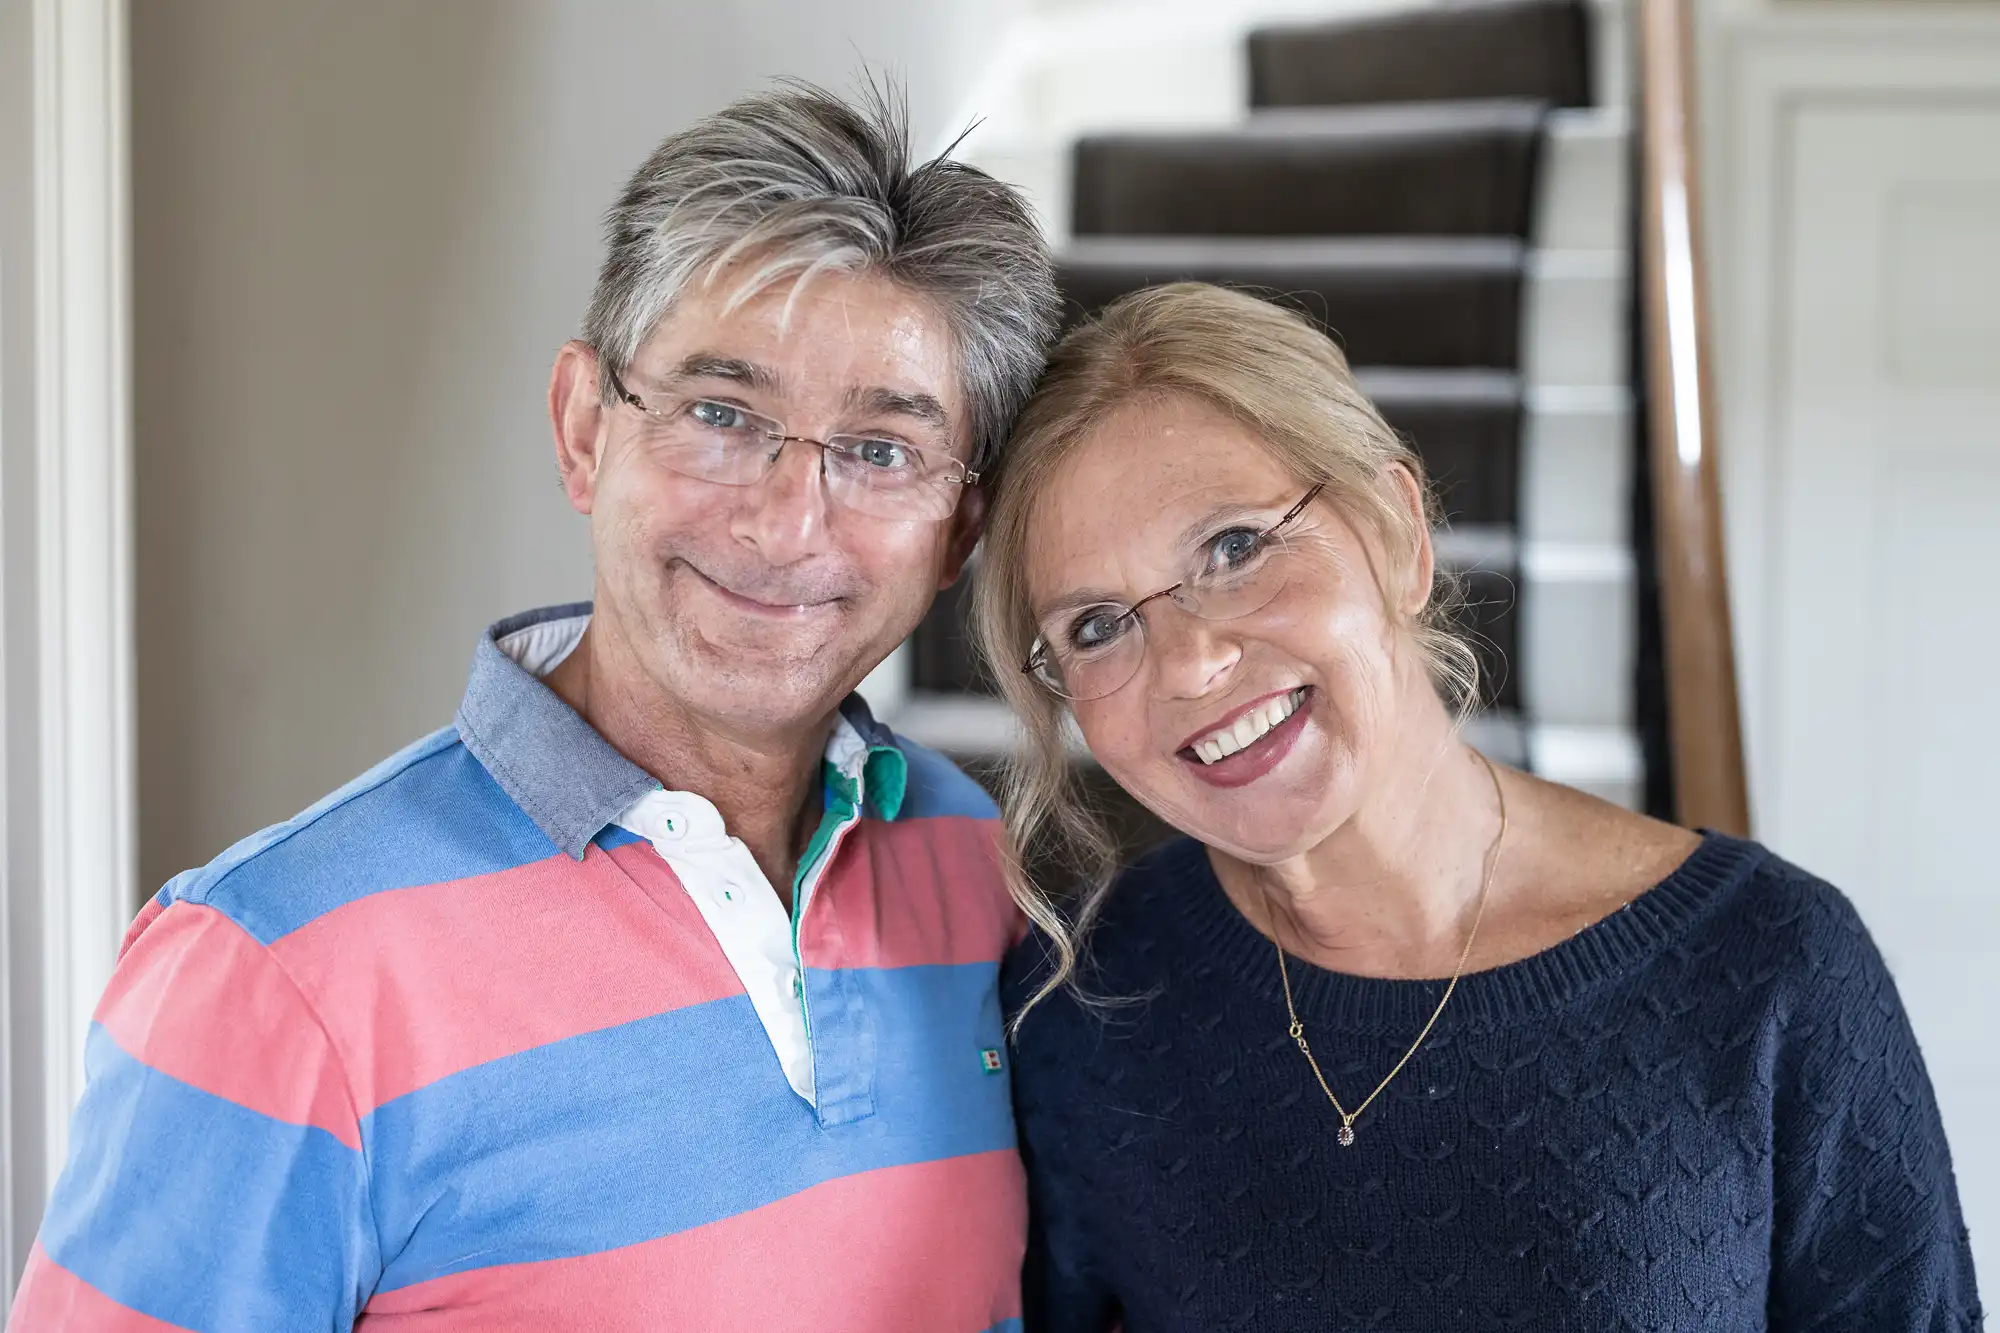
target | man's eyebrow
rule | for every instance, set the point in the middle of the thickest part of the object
(922, 406)
(710, 366)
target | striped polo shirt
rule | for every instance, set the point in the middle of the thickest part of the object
(459, 1049)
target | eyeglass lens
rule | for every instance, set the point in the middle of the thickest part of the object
(1090, 653)
(888, 478)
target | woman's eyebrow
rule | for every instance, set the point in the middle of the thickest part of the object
(1076, 600)
(1191, 537)
(1194, 533)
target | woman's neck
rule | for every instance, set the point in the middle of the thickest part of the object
(1392, 891)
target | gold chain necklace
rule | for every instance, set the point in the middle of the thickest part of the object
(1298, 1029)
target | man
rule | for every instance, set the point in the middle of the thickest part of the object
(659, 990)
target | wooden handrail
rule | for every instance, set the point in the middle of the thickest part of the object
(1704, 732)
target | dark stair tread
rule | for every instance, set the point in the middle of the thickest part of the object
(1488, 613)
(1466, 425)
(1426, 169)
(1389, 301)
(1469, 49)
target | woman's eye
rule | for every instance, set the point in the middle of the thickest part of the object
(1234, 549)
(1096, 629)
(719, 416)
(887, 455)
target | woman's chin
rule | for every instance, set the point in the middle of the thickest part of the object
(1257, 832)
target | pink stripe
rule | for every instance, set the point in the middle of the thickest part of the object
(416, 984)
(930, 1248)
(147, 916)
(912, 892)
(201, 1001)
(51, 1299)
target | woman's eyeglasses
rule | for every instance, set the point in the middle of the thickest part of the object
(1088, 652)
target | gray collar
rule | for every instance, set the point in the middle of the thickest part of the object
(552, 763)
(548, 760)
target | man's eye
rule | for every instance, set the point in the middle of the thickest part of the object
(886, 455)
(718, 416)
(1097, 629)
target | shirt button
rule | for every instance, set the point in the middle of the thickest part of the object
(730, 889)
(798, 987)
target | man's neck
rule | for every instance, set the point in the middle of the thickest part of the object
(763, 785)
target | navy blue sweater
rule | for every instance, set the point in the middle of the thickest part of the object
(1706, 1111)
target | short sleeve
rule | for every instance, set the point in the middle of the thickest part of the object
(215, 1178)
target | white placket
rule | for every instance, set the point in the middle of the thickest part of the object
(743, 912)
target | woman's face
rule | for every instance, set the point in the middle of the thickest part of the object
(1309, 686)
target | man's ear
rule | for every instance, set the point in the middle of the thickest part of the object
(1423, 567)
(966, 526)
(577, 415)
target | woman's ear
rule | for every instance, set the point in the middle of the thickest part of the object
(1405, 491)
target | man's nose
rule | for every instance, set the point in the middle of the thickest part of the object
(784, 513)
(1190, 656)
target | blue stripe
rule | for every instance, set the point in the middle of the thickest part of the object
(1007, 1326)
(613, 837)
(620, 1136)
(935, 786)
(432, 813)
(189, 1208)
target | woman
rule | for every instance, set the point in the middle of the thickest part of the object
(1394, 1038)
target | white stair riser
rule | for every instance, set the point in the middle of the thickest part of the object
(1574, 330)
(1576, 463)
(1582, 197)
(1603, 761)
(1042, 173)
(1627, 792)
(1169, 81)
(1576, 647)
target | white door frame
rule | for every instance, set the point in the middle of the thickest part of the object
(1760, 68)
(66, 661)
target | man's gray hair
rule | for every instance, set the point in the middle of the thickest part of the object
(796, 181)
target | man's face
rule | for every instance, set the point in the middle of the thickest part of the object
(761, 606)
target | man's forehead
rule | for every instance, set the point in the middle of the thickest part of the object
(854, 335)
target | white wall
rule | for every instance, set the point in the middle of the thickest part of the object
(1854, 179)
(362, 231)
(21, 1151)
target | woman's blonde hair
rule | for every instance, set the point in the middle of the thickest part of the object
(1271, 370)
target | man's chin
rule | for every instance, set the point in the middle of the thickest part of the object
(768, 680)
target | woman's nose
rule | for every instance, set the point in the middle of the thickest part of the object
(1190, 656)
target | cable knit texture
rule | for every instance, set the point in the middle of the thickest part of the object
(1705, 1112)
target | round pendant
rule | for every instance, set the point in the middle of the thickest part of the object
(1346, 1136)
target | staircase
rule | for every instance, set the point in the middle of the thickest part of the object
(1434, 185)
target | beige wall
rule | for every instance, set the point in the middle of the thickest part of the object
(362, 230)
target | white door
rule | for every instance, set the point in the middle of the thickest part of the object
(1882, 727)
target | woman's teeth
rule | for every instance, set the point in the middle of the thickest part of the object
(1246, 730)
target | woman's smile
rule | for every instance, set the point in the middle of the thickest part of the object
(1251, 741)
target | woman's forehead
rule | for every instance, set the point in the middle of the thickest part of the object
(1130, 489)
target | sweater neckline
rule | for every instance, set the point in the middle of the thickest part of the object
(1605, 950)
